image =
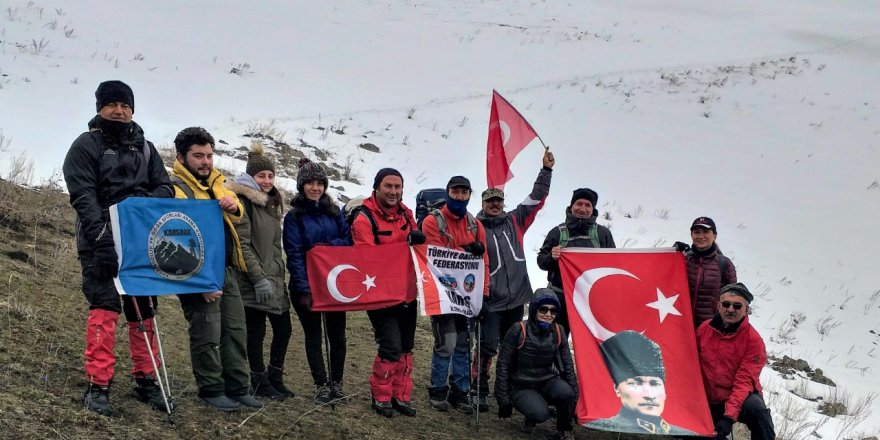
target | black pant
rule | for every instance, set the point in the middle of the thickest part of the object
(754, 414)
(534, 402)
(395, 329)
(311, 324)
(493, 327)
(256, 333)
(102, 294)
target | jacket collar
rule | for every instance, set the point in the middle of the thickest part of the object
(191, 181)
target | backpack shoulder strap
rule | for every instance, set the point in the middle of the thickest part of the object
(361, 210)
(558, 335)
(472, 225)
(563, 235)
(441, 225)
(187, 191)
(722, 266)
(594, 235)
(146, 150)
(522, 341)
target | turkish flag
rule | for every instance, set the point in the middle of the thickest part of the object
(610, 291)
(509, 133)
(348, 278)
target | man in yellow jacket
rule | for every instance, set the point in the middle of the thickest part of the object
(217, 329)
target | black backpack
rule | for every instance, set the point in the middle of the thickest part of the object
(428, 200)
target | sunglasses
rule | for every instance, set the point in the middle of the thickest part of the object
(727, 304)
(547, 309)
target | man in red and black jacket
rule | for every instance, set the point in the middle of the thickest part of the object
(394, 327)
(732, 355)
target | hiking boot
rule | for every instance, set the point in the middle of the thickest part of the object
(528, 426)
(147, 390)
(221, 403)
(460, 401)
(336, 391)
(247, 400)
(323, 395)
(404, 408)
(384, 409)
(276, 379)
(262, 387)
(565, 435)
(437, 398)
(482, 404)
(97, 399)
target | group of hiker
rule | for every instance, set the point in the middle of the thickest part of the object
(534, 372)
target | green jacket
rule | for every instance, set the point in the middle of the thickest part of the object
(264, 256)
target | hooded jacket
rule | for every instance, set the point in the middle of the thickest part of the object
(101, 170)
(215, 184)
(705, 281)
(264, 257)
(578, 232)
(510, 286)
(457, 228)
(306, 225)
(541, 356)
(731, 360)
(393, 226)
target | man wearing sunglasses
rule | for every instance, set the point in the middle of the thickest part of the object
(732, 355)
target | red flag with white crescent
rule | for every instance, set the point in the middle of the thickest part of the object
(639, 296)
(348, 278)
(509, 133)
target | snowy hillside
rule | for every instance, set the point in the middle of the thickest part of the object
(762, 115)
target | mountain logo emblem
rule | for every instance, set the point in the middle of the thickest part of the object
(176, 249)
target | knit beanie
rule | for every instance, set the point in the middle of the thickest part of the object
(257, 161)
(309, 171)
(113, 91)
(584, 193)
(630, 354)
(383, 173)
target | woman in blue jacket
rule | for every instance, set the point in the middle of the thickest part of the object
(314, 220)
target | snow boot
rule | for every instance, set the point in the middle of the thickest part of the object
(261, 386)
(97, 399)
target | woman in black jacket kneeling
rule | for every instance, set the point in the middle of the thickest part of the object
(535, 369)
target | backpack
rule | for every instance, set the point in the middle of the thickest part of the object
(428, 200)
(178, 182)
(356, 207)
(593, 235)
(441, 225)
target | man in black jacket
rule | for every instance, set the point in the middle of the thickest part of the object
(107, 164)
(509, 289)
(579, 230)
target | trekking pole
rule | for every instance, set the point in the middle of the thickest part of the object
(479, 370)
(326, 339)
(161, 352)
(143, 330)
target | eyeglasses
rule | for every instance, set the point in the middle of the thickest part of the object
(727, 304)
(547, 309)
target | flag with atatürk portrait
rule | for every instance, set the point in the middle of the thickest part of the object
(168, 246)
(633, 336)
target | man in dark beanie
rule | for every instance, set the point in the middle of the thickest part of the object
(635, 364)
(732, 355)
(385, 219)
(579, 230)
(104, 166)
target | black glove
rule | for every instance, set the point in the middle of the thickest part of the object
(414, 237)
(475, 248)
(505, 411)
(681, 247)
(105, 262)
(723, 428)
(305, 300)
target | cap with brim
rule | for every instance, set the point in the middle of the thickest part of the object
(704, 222)
(493, 193)
(459, 181)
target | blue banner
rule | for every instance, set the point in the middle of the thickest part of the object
(168, 246)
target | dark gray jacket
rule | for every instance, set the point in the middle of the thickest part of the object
(101, 170)
(509, 285)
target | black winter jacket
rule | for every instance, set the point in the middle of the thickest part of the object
(541, 356)
(578, 233)
(509, 284)
(101, 170)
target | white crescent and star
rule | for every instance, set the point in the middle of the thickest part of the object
(505, 132)
(369, 282)
(584, 285)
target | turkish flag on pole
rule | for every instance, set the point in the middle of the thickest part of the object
(610, 291)
(509, 133)
(348, 278)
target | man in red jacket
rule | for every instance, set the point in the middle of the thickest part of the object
(453, 227)
(386, 219)
(732, 355)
